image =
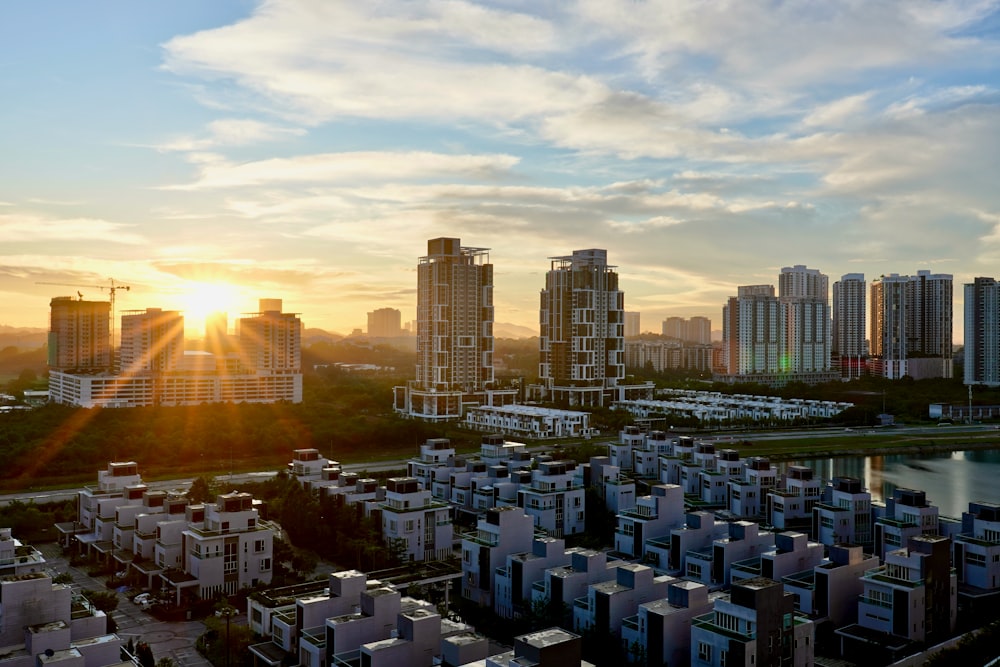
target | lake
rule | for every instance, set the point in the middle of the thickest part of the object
(950, 480)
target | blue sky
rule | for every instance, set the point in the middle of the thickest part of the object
(209, 153)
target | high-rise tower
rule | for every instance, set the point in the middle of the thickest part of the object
(79, 335)
(152, 341)
(752, 332)
(911, 319)
(849, 349)
(270, 340)
(454, 332)
(805, 300)
(582, 338)
(982, 332)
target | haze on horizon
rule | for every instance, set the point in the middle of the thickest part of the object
(209, 154)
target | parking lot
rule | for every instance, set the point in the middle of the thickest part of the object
(167, 640)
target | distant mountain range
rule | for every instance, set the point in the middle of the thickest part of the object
(23, 338)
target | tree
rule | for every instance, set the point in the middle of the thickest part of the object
(201, 490)
(106, 601)
(144, 655)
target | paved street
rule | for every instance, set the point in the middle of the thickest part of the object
(167, 640)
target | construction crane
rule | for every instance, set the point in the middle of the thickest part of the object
(112, 288)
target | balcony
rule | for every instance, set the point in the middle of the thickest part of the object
(875, 601)
(314, 637)
(539, 586)
(969, 538)
(482, 538)
(749, 566)
(631, 623)
(707, 621)
(582, 603)
(879, 574)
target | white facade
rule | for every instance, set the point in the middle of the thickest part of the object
(554, 499)
(152, 341)
(414, 525)
(501, 531)
(454, 332)
(529, 420)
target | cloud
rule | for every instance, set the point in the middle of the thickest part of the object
(232, 132)
(26, 227)
(217, 172)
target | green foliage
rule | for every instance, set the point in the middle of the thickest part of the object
(975, 648)
(202, 490)
(106, 601)
(144, 655)
(63, 578)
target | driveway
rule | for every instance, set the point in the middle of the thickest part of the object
(167, 640)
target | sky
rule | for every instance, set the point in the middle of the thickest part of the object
(207, 154)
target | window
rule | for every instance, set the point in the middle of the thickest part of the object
(265, 564)
(408, 525)
(705, 651)
(258, 546)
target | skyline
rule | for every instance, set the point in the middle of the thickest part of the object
(306, 151)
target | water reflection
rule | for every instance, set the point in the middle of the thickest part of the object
(950, 480)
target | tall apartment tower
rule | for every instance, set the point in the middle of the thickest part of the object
(582, 341)
(385, 323)
(804, 296)
(270, 340)
(675, 327)
(79, 335)
(699, 330)
(849, 349)
(152, 341)
(982, 332)
(752, 333)
(454, 332)
(911, 319)
(632, 324)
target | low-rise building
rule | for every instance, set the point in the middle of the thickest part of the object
(514, 581)
(414, 525)
(608, 603)
(500, 531)
(653, 516)
(976, 557)
(661, 630)
(756, 625)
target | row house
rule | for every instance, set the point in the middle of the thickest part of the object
(653, 516)
(608, 603)
(499, 532)
(45, 623)
(748, 494)
(791, 553)
(156, 508)
(829, 592)
(906, 515)
(93, 530)
(976, 557)
(17, 558)
(790, 505)
(755, 625)
(910, 600)
(844, 516)
(554, 499)
(228, 549)
(435, 454)
(420, 639)
(662, 628)
(512, 594)
(560, 586)
(711, 565)
(700, 529)
(414, 525)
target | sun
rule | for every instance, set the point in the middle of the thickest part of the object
(203, 299)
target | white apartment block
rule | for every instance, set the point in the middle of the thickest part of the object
(608, 603)
(230, 549)
(454, 333)
(554, 499)
(844, 516)
(830, 591)
(44, 623)
(515, 580)
(756, 625)
(414, 525)
(501, 531)
(653, 516)
(712, 564)
(977, 549)
(790, 505)
(907, 514)
(912, 597)
(662, 628)
(790, 554)
(17, 558)
(529, 420)
(562, 585)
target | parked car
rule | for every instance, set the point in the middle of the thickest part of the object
(144, 600)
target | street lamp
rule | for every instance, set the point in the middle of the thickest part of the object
(226, 611)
